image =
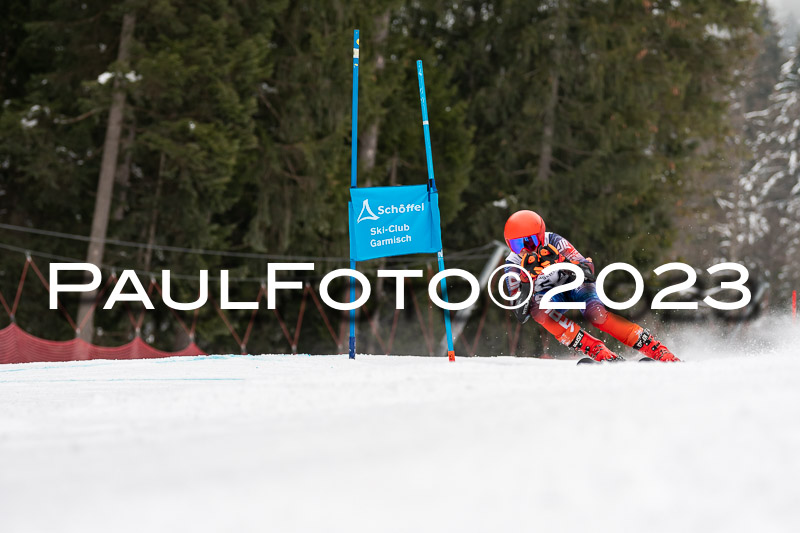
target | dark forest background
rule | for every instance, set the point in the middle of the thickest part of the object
(643, 131)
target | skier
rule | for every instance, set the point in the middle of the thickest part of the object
(533, 249)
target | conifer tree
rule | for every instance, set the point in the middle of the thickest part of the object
(763, 222)
(51, 132)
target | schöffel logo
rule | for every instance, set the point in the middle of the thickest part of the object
(367, 214)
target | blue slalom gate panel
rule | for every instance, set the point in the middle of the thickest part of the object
(389, 221)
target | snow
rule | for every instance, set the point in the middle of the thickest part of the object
(131, 76)
(321, 443)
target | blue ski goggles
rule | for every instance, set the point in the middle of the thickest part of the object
(531, 243)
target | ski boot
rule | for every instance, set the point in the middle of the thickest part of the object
(593, 347)
(651, 347)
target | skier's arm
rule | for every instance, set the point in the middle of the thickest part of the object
(565, 248)
(523, 312)
(518, 288)
(572, 255)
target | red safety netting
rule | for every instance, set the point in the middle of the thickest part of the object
(18, 346)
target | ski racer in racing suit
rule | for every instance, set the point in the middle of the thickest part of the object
(532, 250)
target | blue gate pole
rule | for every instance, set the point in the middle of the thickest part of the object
(432, 186)
(354, 184)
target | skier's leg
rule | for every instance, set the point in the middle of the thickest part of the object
(620, 328)
(625, 331)
(568, 333)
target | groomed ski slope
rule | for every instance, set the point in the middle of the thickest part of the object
(405, 444)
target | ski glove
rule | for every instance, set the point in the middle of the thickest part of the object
(587, 266)
(535, 262)
(527, 261)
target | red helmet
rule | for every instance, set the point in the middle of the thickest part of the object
(524, 229)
